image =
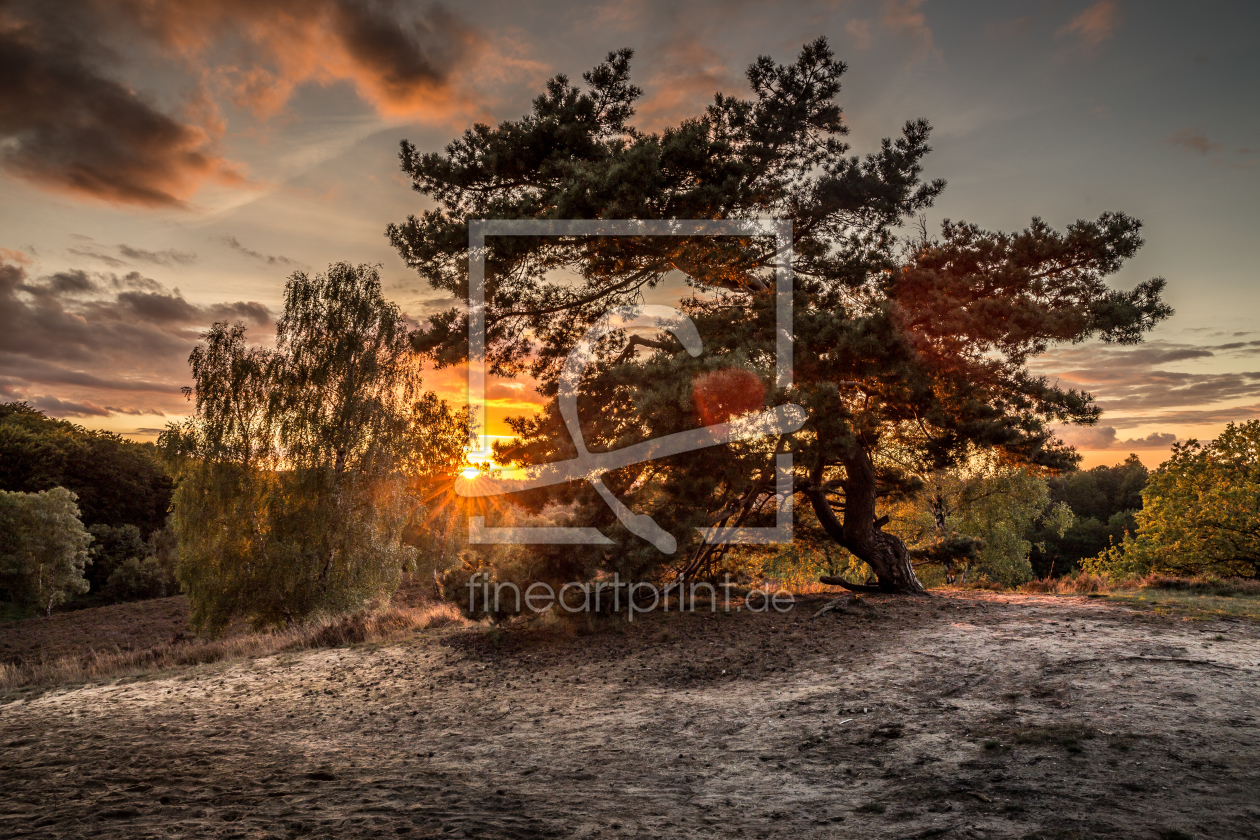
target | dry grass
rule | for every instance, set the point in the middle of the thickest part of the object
(1082, 583)
(388, 624)
(1202, 597)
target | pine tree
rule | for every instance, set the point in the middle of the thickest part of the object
(902, 352)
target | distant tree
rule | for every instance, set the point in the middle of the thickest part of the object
(125, 567)
(1200, 511)
(111, 547)
(921, 353)
(1104, 501)
(292, 498)
(43, 548)
(118, 482)
(974, 519)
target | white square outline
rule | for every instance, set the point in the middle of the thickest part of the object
(479, 229)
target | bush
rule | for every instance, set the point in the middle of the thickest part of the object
(111, 547)
(136, 579)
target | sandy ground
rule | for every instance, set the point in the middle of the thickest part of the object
(962, 715)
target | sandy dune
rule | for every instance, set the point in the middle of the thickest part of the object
(963, 715)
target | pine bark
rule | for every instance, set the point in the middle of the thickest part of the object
(860, 533)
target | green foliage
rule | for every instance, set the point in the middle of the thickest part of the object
(138, 578)
(111, 547)
(1200, 512)
(293, 492)
(43, 548)
(118, 482)
(915, 346)
(1105, 502)
(979, 515)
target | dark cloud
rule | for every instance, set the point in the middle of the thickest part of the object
(71, 122)
(70, 283)
(1198, 416)
(69, 338)
(1094, 438)
(1135, 385)
(55, 407)
(94, 253)
(67, 126)
(168, 257)
(270, 259)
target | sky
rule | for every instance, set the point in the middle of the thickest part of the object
(164, 165)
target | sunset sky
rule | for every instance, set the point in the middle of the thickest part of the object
(167, 164)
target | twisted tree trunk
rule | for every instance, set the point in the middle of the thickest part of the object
(860, 532)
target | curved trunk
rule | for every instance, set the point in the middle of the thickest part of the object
(860, 532)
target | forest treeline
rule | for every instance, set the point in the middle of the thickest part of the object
(116, 492)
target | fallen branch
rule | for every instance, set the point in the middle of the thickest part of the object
(836, 580)
(842, 604)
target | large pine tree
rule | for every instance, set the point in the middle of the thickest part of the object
(908, 356)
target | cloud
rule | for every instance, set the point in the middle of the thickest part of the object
(1139, 386)
(1193, 141)
(1198, 416)
(232, 243)
(399, 58)
(1095, 438)
(167, 257)
(1094, 25)
(904, 18)
(859, 32)
(94, 253)
(54, 407)
(66, 126)
(96, 344)
(18, 257)
(71, 122)
(688, 75)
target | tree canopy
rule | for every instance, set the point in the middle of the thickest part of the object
(118, 482)
(1104, 502)
(43, 548)
(908, 355)
(1200, 511)
(975, 520)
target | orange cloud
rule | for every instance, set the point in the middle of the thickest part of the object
(67, 127)
(859, 32)
(398, 61)
(1094, 25)
(689, 75)
(904, 18)
(70, 123)
(17, 257)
